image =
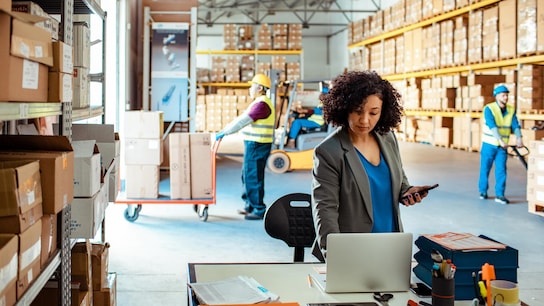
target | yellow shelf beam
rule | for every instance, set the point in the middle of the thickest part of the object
(472, 67)
(413, 113)
(250, 52)
(424, 23)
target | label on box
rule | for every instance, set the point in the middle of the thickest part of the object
(8, 272)
(31, 73)
(31, 254)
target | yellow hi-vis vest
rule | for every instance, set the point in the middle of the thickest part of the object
(504, 124)
(261, 130)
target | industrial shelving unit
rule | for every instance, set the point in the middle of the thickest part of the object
(60, 263)
(460, 69)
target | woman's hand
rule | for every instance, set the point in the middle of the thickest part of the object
(415, 194)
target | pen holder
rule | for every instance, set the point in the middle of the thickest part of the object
(443, 291)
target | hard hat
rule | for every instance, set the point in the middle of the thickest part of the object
(261, 79)
(500, 89)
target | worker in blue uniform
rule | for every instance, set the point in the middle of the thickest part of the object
(500, 121)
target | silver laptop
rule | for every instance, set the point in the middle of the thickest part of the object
(367, 262)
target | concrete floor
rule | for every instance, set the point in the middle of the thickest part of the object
(150, 255)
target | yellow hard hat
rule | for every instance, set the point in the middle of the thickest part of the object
(261, 79)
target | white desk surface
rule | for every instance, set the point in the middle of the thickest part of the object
(289, 281)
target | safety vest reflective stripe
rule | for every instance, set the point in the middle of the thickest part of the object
(261, 130)
(504, 124)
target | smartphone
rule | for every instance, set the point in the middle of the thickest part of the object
(425, 189)
(420, 289)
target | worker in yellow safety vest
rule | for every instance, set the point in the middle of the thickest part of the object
(257, 126)
(499, 121)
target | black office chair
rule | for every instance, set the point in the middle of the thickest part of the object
(290, 219)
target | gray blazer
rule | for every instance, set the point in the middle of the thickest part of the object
(341, 201)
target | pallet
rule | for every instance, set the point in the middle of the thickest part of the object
(536, 208)
(459, 147)
(530, 111)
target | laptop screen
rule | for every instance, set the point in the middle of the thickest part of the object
(368, 262)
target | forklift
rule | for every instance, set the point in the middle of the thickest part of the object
(284, 159)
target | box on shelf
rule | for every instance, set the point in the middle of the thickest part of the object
(5, 5)
(88, 213)
(30, 42)
(28, 79)
(82, 45)
(63, 60)
(99, 263)
(109, 145)
(87, 171)
(81, 265)
(29, 257)
(505, 262)
(9, 245)
(81, 87)
(60, 87)
(56, 158)
(49, 237)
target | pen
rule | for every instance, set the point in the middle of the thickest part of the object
(309, 281)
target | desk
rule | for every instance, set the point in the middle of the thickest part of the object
(288, 280)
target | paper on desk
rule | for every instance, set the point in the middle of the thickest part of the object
(464, 241)
(234, 290)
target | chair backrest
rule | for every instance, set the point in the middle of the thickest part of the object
(290, 219)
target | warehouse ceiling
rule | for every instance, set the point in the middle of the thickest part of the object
(318, 17)
(322, 16)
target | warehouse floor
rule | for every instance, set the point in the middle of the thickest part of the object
(150, 256)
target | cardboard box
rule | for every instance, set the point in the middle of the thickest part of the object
(81, 87)
(21, 222)
(20, 188)
(60, 87)
(507, 29)
(56, 165)
(106, 139)
(99, 263)
(139, 151)
(81, 265)
(88, 213)
(201, 165)
(28, 79)
(180, 166)
(87, 171)
(142, 181)
(107, 296)
(9, 245)
(29, 257)
(5, 5)
(49, 295)
(63, 60)
(31, 42)
(144, 124)
(49, 237)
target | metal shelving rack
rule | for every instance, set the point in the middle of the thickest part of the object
(497, 64)
(60, 263)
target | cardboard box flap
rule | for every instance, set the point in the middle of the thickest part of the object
(85, 148)
(98, 132)
(34, 143)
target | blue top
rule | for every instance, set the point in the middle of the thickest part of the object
(379, 178)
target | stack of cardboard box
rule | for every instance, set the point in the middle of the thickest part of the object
(37, 183)
(535, 177)
(143, 153)
(82, 47)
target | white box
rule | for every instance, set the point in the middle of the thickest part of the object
(88, 213)
(142, 181)
(180, 166)
(144, 124)
(82, 44)
(143, 151)
(106, 138)
(86, 168)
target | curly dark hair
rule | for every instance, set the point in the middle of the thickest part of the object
(350, 90)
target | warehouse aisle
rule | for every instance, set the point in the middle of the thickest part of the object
(150, 255)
